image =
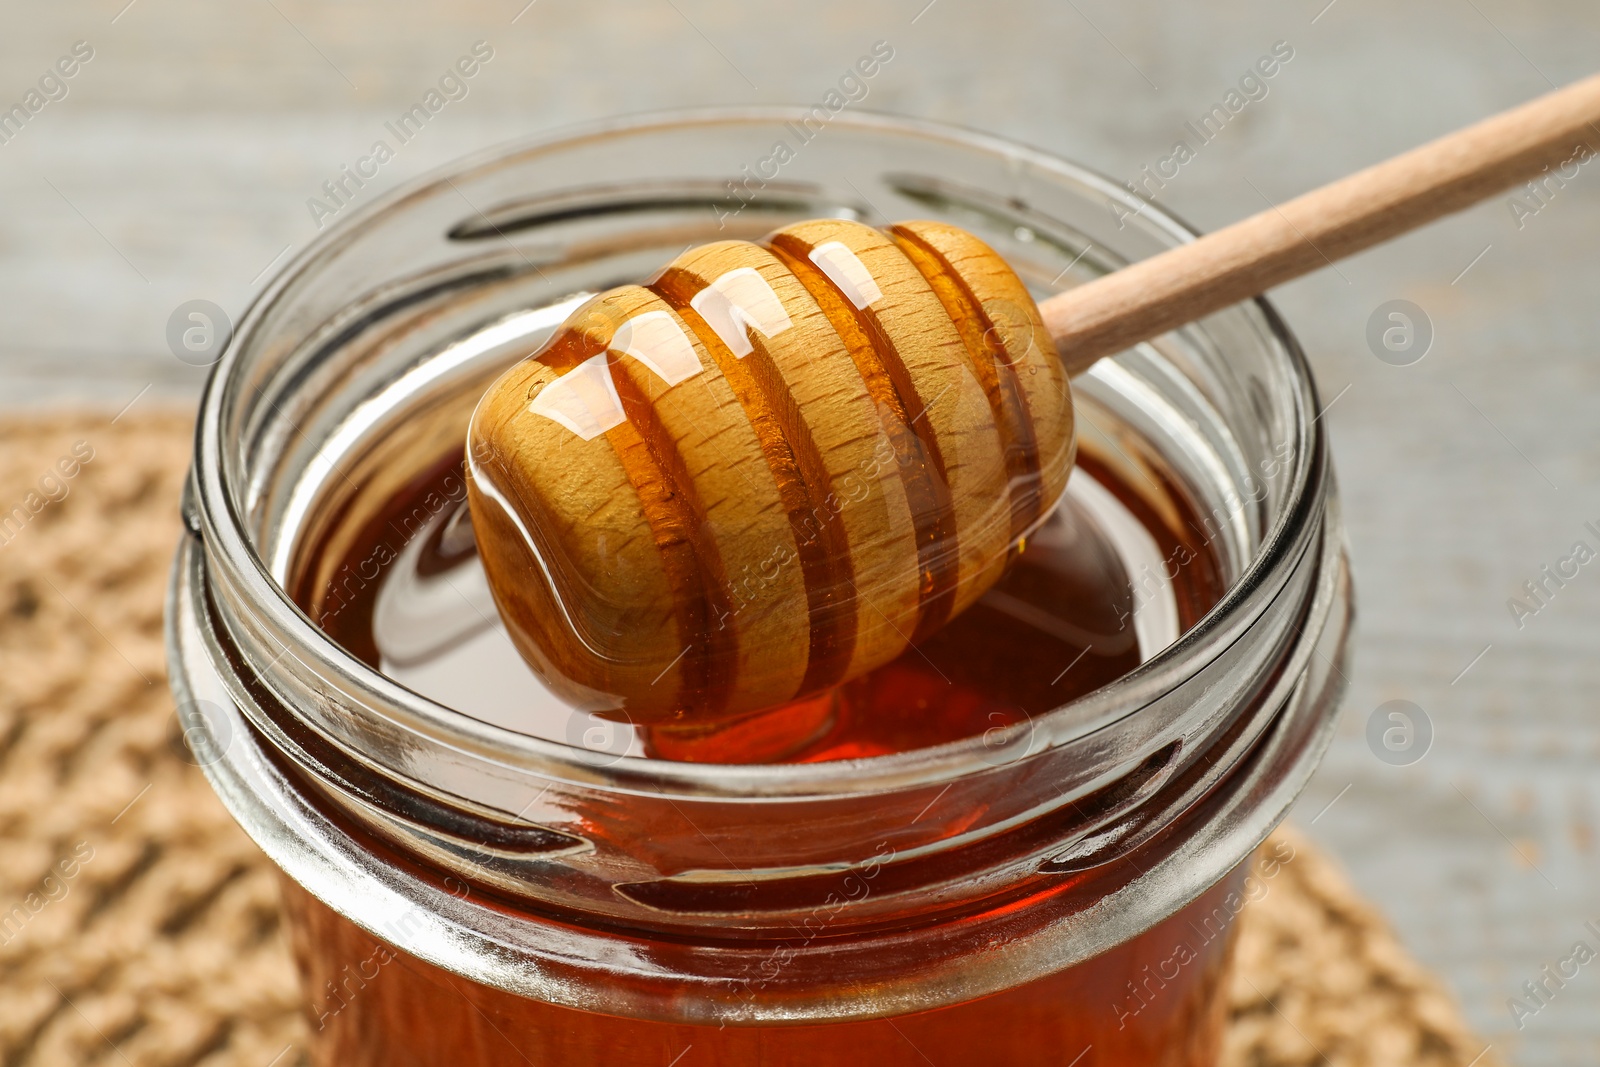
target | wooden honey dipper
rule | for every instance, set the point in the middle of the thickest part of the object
(775, 465)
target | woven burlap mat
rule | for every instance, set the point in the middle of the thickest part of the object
(138, 925)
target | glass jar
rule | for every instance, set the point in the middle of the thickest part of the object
(1060, 886)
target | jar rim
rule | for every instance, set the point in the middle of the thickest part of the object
(214, 513)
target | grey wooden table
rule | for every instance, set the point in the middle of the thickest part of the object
(179, 162)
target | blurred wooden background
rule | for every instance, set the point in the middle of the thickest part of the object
(178, 166)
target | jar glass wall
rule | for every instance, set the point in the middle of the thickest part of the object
(781, 911)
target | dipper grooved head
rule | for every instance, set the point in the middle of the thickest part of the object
(768, 470)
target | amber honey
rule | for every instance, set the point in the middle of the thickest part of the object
(409, 598)
(1155, 1001)
(1082, 604)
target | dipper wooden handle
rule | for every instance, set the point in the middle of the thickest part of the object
(776, 465)
(1308, 233)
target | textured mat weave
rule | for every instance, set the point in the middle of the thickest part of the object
(139, 926)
